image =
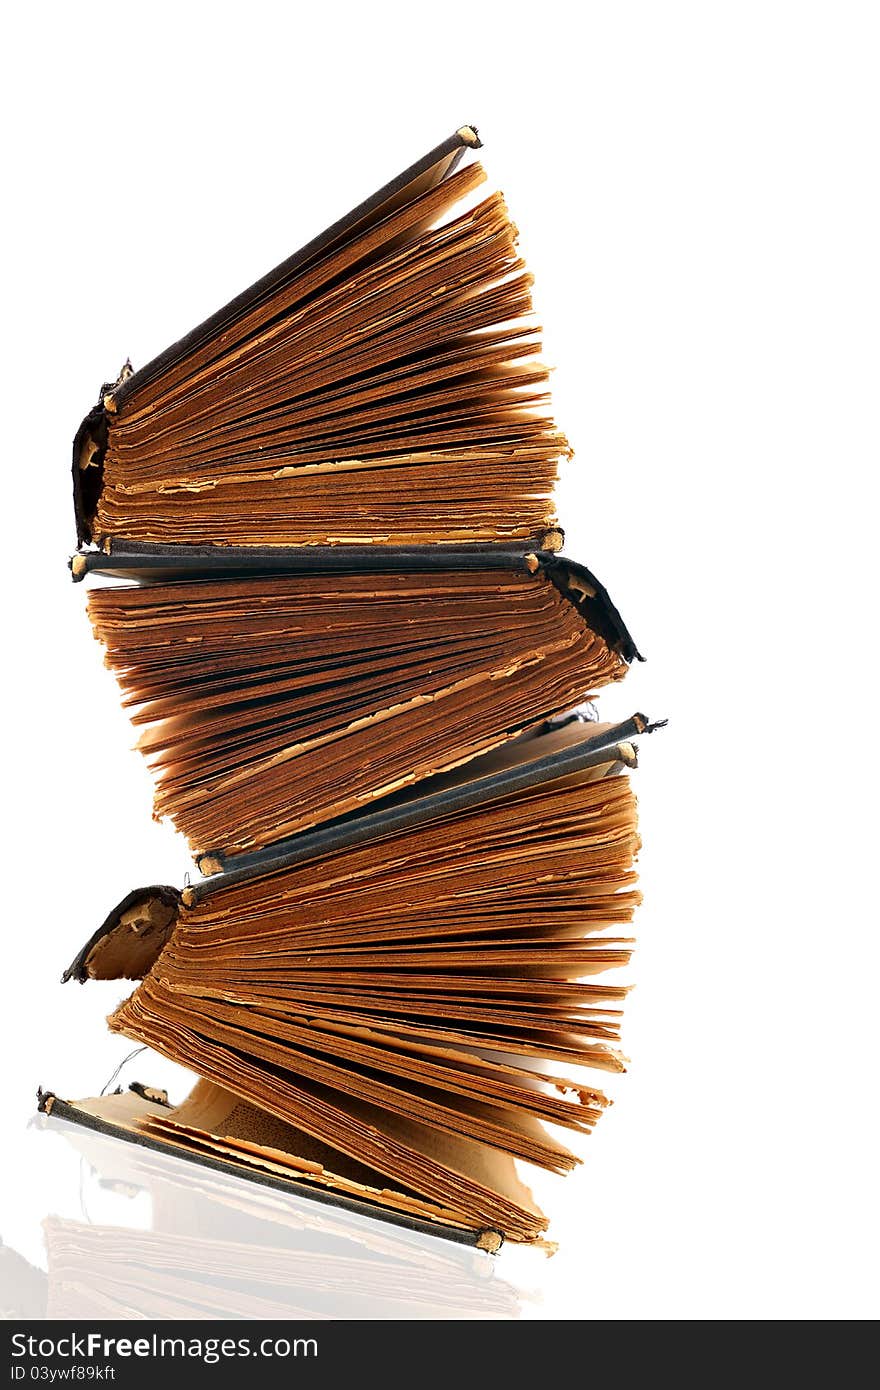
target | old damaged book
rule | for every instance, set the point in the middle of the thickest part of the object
(308, 687)
(392, 1011)
(382, 386)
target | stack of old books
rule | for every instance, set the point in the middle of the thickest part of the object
(356, 657)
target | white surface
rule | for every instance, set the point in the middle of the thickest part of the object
(697, 194)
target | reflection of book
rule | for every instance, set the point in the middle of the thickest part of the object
(220, 1247)
(22, 1287)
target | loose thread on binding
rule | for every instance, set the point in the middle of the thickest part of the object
(123, 1063)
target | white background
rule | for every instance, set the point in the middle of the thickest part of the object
(696, 188)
